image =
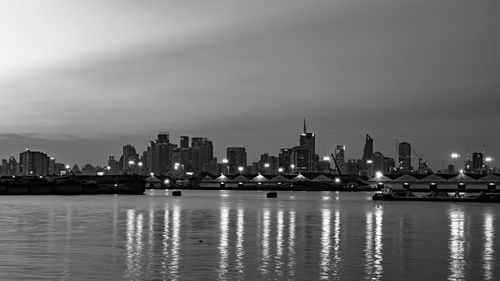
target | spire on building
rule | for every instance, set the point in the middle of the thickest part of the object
(305, 127)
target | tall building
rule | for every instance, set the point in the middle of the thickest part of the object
(405, 157)
(477, 162)
(303, 159)
(367, 151)
(389, 165)
(308, 140)
(378, 162)
(284, 159)
(202, 153)
(184, 143)
(237, 157)
(353, 167)
(129, 154)
(340, 157)
(33, 163)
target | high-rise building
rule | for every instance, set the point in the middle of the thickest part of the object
(477, 162)
(33, 163)
(129, 154)
(405, 157)
(237, 157)
(340, 157)
(308, 140)
(284, 159)
(353, 167)
(202, 151)
(389, 165)
(367, 151)
(184, 143)
(303, 159)
(378, 162)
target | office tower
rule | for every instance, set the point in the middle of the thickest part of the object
(129, 154)
(184, 143)
(340, 157)
(302, 158)
(284, 158)
(114, 165)
(353, 167)
(33, 163)
(367, 151)
(378, 162)
(308, 140)
(237, 157)
(477, 162)
(202, 151)
(389, 165)
(405, 157)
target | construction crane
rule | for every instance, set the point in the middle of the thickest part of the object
(422, 165)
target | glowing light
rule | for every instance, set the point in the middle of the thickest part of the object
(369, 161)
(280, 170)
(140, 164)
(266, 165)
(378, 174)
(189, 173)
(455, 155)
(240, 169)
(488, 159)
(461, 171)
(167, 181)
(131, 162)
(326, 158)
(67, 166)
(100, 173)
(108, 168)
(292, 166)
(152, 174)
(225, 161)
(337, 180)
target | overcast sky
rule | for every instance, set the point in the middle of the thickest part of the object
(79, 79)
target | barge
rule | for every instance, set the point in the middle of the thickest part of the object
(391, 194)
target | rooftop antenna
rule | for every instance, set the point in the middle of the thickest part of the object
(305, 127)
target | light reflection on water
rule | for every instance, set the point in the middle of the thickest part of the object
(374, 246)
(489, 246)
(243, 236)
(457, 245)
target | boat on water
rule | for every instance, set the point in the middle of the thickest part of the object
(393, 194)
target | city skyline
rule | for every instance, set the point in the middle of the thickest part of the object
(80, 80)
(305, 140)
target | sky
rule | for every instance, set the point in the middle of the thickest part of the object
(80, 79)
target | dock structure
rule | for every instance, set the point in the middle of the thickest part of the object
(438, 182)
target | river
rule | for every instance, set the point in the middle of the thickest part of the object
(242, 235)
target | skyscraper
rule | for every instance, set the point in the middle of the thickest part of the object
(237, 157)
(308, 140)
(340, 157)
(405, 157)
(184, 143)
(367, 151)
(33, 163)
(129, 154)
(477, 162)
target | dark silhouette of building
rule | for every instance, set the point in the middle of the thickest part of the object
(389, 165)
(184, 143)
(477, 162)
(353, 167)
(202, 153)
(33, 163)
(307, 140)
(367, 151)
(237, 157)
(340, 157)
(129, 154)
(405, 157)
(284, 158)
(378, 161)
(302, 158)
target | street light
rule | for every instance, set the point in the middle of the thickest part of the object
(488, 161)
(240, 168)
(293, 167)
(280, 170)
